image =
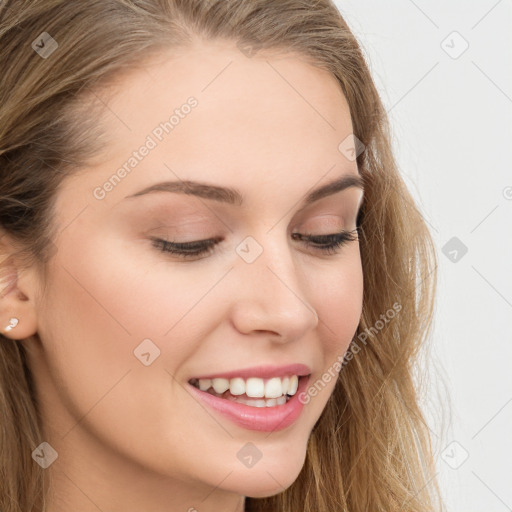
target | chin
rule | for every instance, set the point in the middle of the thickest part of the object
(269, 482)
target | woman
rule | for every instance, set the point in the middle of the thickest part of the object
(214, 281)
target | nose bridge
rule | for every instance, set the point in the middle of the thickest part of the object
(272, 295)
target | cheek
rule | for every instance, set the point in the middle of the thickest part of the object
(129, 291)
(338, 299)
(337, 294)
(103, 307)
(99, 309)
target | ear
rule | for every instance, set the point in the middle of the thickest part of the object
(17, 293)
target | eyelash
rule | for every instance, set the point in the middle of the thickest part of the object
(326, 244)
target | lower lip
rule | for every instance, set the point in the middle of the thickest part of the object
(264, 419)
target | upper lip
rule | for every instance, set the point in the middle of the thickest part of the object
(263, 372)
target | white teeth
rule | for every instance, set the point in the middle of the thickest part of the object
(253, 387)
(237, 386)
(205, 384)
(273, 388)
(293, 385)
(258, 403)
(220, 385)
(269, 402)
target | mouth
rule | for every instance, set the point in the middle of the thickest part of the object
(256, 413)
(254, 391)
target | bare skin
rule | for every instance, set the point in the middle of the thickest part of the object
(131, 437)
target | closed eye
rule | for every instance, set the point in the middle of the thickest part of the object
(326, 244)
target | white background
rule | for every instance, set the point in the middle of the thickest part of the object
(452, 128)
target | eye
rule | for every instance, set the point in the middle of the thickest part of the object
(327, 244)
(188, 249)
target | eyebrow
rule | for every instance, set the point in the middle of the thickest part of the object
(234, 196)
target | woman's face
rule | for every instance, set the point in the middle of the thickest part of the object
(124, 326)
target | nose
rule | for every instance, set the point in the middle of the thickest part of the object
(271, 296)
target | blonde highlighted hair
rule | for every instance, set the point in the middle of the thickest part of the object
(370, 450)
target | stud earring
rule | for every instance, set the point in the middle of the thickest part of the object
(13, 322)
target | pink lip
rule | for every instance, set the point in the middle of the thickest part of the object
(264, 419)
(263, 372)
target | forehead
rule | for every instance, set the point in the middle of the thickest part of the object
(273, 116)
(261, 94)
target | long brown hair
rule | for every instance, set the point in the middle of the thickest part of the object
(370, 449)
